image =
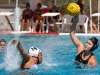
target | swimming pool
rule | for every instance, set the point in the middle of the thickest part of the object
(58, 55)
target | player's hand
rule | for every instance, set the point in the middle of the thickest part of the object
(15, 40)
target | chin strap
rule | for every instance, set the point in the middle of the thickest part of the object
(88, 52)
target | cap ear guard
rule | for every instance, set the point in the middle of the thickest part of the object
(96, 46)
(94, 40)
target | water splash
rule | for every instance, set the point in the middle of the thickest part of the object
(12, 56)
(48, 54)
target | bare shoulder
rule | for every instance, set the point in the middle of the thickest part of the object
(24, 10)
(80, 48)
(93, 61)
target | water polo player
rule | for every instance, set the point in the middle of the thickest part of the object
(84, 53)
(2, 45)
(29, 60)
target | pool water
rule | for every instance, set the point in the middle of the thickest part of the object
(58, 55)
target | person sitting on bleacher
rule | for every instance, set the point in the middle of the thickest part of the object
(37, 19)
(53, 19)
(26, 16)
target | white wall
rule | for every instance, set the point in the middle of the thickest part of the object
(33, 3)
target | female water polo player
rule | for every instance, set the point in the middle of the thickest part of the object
(30, 60)
(2, 45)
(84, 53)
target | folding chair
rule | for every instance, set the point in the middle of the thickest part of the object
(83, 21)
(67, 19)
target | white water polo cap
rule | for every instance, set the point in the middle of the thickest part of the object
(34, 51)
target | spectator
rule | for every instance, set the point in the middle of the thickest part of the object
(37, 19)
(53, 19)
(94, 28)
(81, 4)
(26, 16)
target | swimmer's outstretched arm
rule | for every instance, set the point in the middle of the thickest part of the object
(74, 38)
(24, 54)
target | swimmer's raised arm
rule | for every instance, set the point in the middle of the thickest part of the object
(20, 47)
(74, 38)
(22, 51)
(75, 21)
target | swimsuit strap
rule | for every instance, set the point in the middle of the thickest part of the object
(79, 58)
(89, 57)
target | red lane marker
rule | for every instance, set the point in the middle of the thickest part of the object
(49, 33)
(5, 32)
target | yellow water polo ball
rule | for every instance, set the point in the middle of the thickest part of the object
(73, 9)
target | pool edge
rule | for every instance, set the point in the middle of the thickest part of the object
(53, 33)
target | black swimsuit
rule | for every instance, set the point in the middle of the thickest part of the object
(80, 63)
(79, 58)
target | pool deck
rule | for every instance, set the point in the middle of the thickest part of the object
(82, 34)
(53, 33)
